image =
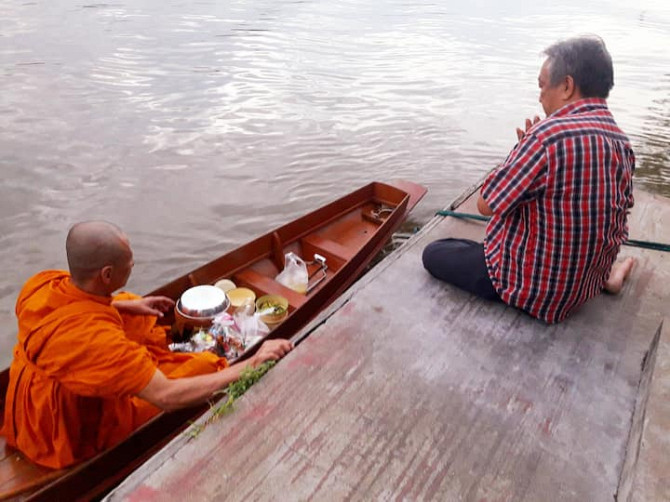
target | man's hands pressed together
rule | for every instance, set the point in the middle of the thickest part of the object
(520, 133)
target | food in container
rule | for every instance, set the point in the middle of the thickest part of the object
(225, 285)
(201, 341)
(272, 309)
(240, 296)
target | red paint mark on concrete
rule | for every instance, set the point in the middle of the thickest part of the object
(348, 308)
(545, 427)
(144, 493)
(522, 404)
(306, 358)
(259, 411)
(516, 404)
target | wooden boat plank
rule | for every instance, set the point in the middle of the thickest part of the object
(336, 255)
(416, 192)
(18, 477)
(268, 286)
(415, 390)
(353, 230)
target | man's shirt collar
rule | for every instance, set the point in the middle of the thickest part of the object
(580, 106)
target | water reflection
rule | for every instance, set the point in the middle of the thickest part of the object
(653, 158)
(199, 125)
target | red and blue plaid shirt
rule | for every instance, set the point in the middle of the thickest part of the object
(560, 202)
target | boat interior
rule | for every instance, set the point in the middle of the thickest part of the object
(325, 249)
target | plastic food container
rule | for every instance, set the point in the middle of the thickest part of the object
(240, 296)
(272, 309)
(225, 285)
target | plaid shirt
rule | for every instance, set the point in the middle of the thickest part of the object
(560, 202)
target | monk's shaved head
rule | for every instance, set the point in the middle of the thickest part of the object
(92, 245)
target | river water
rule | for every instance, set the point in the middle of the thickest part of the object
(198, 125)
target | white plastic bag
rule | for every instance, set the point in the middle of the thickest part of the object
(294, 275)
(249, 325)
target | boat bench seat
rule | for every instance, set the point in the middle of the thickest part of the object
(269, 286)
(336, 254)
(19, 475)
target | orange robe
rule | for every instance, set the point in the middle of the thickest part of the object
(77, 367)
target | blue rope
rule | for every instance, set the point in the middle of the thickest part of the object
(657, 246)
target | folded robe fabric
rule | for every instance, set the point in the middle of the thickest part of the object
(77, 367)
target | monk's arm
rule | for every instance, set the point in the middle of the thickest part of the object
(147, 305)
(172, 394)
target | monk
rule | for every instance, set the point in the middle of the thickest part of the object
(90, 367)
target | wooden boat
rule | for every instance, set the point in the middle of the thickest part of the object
(425, 392)
(348, 233)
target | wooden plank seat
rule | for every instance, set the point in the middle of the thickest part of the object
(18, 475)
(262, 283)
(336, 254)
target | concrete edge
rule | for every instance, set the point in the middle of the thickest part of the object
(637, 448)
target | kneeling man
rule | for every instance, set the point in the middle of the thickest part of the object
(559, 203)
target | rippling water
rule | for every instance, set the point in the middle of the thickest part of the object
(198, 125)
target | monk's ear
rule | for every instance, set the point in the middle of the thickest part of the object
(106, 274)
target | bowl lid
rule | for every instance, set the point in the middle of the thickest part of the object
(225, 284)
(238, 296)
(202, 298)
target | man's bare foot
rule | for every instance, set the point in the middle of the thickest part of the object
(618, 275)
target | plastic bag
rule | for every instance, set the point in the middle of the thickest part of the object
(229, 342)
(200, 341)
(249, 325)
(294, 275)
(203, 341)
(236, 333)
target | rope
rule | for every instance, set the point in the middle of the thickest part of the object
(656, 246)
(465, 216)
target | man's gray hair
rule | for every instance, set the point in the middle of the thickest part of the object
(586, 60)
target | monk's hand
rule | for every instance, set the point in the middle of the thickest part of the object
(148, 305)
(271, 350)
(520, 133)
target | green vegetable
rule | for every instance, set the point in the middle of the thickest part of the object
(195, 430)
(248, 377)
(276, 309)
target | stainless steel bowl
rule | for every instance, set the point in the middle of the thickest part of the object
(202, 302)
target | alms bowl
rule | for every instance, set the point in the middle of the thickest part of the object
(201, 303)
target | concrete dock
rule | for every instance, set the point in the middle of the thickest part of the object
(410, 389)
